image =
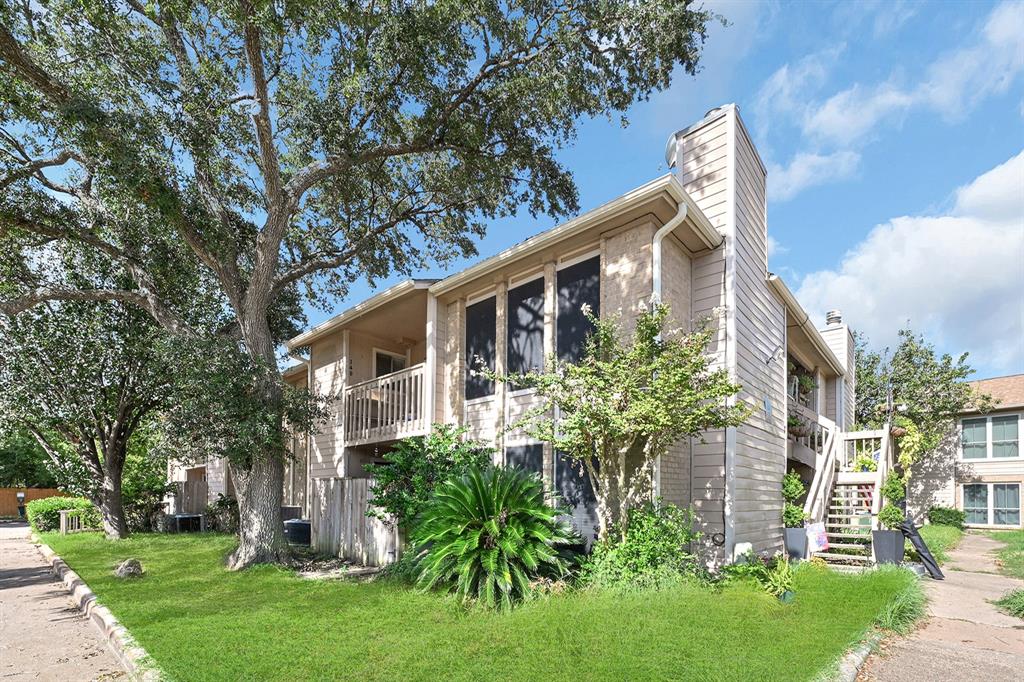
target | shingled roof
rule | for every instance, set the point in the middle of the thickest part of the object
(1008, 390)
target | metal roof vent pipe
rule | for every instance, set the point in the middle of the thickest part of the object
(833, 317)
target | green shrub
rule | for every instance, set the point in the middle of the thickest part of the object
(44, 515)
(1012, 603)
(893, 489)
(793, 489)
(221, 515)
(487, 535)
(890, 516)
(655, 550)
(904, 609)
(415, 466)
(947, 516)
(773, 574)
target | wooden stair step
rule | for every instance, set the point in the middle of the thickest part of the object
(863, 526)
(849, 545)
(850, 536)
(830, 556)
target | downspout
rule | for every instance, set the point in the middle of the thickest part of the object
(656, 261)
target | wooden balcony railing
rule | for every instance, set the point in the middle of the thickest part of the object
(386, 408)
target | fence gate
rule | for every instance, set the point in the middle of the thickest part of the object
(341, 526)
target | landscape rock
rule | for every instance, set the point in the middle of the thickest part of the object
(129, 568)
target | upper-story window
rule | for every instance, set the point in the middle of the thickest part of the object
(481, 341)
(525, 351)
(385, 362)
(577, 285)
(996, 437)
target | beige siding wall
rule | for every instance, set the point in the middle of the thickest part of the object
(760, 450)
(326, 357)
(627, 280)
(840, 408)
(702, 163)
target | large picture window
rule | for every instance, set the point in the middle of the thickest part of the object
(995, 437)
(578, 285)
(481, 337)
(526, 327)
(992, 504)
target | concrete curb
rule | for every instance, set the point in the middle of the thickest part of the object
(132, 657)
(850, 665)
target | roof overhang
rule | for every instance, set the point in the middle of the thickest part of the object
(797, 316)
(358, 310)
(696, 233)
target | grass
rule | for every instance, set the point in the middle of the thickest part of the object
(1012, 603)
(200, 622)
(940, 540)
(1012, 556)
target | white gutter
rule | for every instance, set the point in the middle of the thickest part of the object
(659, 236)
(803, 321)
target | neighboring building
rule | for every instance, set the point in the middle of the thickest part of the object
(979, 467)
(697, 239)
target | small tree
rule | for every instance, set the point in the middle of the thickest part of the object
(82, 378)
(416, 466)
(917, 390)
(625, 403)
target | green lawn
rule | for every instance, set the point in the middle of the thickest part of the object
(940, 540)
(1011, 556)
(201, 622)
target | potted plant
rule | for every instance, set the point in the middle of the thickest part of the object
(889, 543)
(796, 426)
(793, 516)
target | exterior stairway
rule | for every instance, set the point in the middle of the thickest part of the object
(848, 526)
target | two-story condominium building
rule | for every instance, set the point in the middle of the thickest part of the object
(696, 239)
(979, 468)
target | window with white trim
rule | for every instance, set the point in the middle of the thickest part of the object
(976, 503)
(992, 504)
(974, 438)
(1004, 436)
(994, 437)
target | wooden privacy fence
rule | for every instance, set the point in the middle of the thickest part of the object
(189, 497)
(342, 528)
(9, 498)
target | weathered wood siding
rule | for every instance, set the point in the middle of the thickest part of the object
(702, 170)
(342, 528)
(759, 460)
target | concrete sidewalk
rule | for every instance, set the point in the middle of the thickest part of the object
(966, 637)
(42, 635)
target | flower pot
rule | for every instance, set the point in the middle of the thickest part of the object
(888, 546)
(796, 543)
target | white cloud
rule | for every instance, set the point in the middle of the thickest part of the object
(957, 277)
(951, 86)
(809, 169)
(775, 248)
(891, 16)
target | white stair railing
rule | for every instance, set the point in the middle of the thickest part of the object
(816, 505)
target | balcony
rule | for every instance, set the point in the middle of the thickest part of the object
(388, 408)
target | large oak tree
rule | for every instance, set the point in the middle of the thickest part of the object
(298, 144)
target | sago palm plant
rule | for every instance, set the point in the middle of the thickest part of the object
(486, 535)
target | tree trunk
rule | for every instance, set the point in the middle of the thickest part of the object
(260, 529)
(111, 506)
(259, 483)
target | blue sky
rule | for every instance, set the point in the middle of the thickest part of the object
(894, 137)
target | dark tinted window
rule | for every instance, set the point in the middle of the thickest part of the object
(573, 485)
(577, 285)
(529, 457)
(481, 336)
(526, 327)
